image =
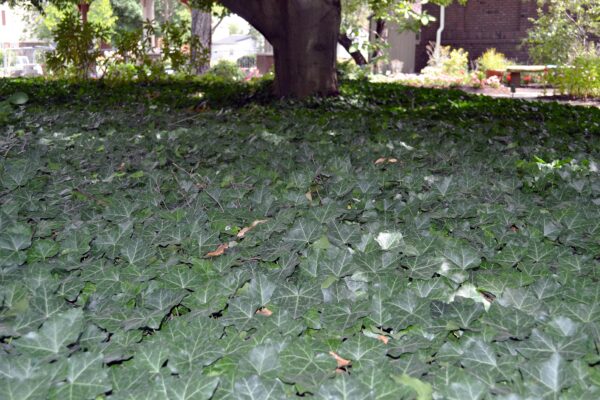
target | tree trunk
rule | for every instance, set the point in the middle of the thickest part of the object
(148, 15)
(202, 28)
(83, 8)
(304, 35)
(357, 56)
(379, 37)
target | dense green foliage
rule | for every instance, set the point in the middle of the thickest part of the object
(227, 70)
(492, 60)
(421, 242)
(77, 46)
(563, 30)
(580, 78)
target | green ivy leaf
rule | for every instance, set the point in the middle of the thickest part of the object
(54, 336)
(85, 378)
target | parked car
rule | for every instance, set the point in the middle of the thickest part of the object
(22, 67)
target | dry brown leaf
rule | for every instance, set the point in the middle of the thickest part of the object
(308, 196)
(219, 251)
(383, 338)
(264, 311)
(247, 229)
(392, 160)
(341, 362)
(380, 160)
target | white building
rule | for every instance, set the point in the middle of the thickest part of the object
(11, 26)
(233, 47)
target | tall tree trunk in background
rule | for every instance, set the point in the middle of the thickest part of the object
(304, 35)
(84, 9)
(148, 15)
(379, 37)
(202, 28)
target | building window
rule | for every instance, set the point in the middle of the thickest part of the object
(3, 18)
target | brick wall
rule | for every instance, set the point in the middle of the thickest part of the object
(480, 25)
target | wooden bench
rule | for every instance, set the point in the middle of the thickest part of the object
(516, 70)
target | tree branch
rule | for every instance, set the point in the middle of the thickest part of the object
(346, 43)
(264, 15)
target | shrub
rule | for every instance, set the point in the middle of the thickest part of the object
(247, 61)
(349, 70)
(581, 78)
(563, 30)
(134, 47)
(457, 63)
(121, 72)
(445, 60)
(227, 70)
(492, 60)
(77, 46)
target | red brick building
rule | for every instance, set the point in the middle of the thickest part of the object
(480, 25)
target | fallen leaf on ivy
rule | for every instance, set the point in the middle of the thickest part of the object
(247, 229)
(264, 311)
(219, 251)
(341, 362)
(383, 339)
(382, 160)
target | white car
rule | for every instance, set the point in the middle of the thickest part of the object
(22, 67)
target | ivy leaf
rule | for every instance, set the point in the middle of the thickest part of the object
(363, 351)
(76, 243)
(338, 263)
(510, 322)
(191, 344)
(202, 242)
(24, 378)
(54, 336)
(461, 257)
(111, 240)
(190, 386)
(85, 378)
(150, 357)
(137, 252)
(256, 388)
(342, 315)
(25, 389)
(460, 314)
(345, 387)
(407, 309)
(304, 232)
(41, 250)
(383, 385)
(121, 211)
(297, 298)
(12, 241)
(542, 345)
(17, 173)
(341, 234)
(262, 360)
(549, 377)
(306, 364)
(261, 289)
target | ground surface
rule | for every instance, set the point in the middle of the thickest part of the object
(535, 94)
(393, 243)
